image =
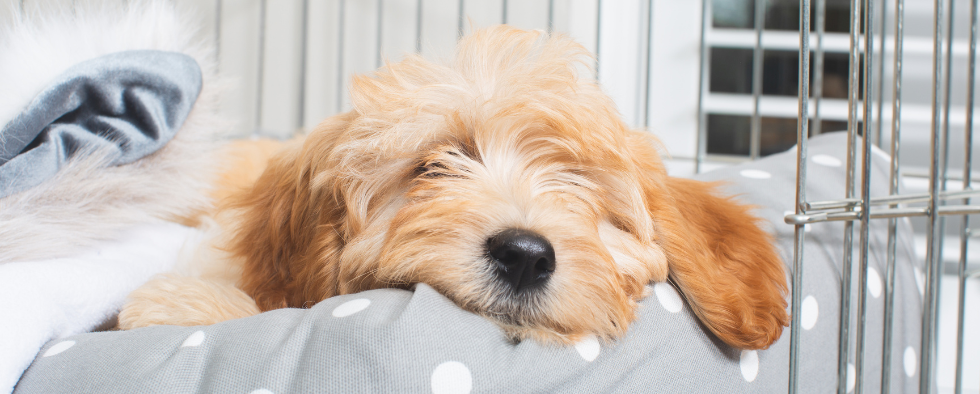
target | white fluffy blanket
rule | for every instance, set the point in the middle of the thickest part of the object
(72, 248)
(87, 200)
(50, 299)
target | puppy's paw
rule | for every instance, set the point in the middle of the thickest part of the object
(184, 301)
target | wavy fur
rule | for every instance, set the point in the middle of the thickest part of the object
(435, 160)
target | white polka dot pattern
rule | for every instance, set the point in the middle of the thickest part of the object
(588, 348)
(755, 174)
(874, 282)
(668, 297)
(351, 307)
(909, 361)
(827, 161)
(194, 339)
(451, 377)
(748, 362)
(261, 391)
(58, 348)
(809, 312)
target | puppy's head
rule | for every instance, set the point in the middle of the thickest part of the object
(509, 183)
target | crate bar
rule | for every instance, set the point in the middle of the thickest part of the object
(840, 216)
(217, 33)
(818, 60)
(503, 12)
(893, 190)
(379, 33)
(865, 214)
(598, 33)
(802, 128)
(892, 199)
(340, 54)
(844, 337)
(461, 18)
(944, 139)
(646, 79)
(855, 215)
(702, 138)
(261, 72)
(551, 13)
(755, 130)
(879, 125)
(930, 305)
(418, 26)
(948, 74)
(304, 37)
(967, 185)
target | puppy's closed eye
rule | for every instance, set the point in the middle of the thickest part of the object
(435, 168)
(448, 163)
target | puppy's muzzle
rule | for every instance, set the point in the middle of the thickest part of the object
(523, 259)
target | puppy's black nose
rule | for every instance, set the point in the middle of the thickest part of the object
(523, 258)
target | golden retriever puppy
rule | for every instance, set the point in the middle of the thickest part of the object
(506, 181)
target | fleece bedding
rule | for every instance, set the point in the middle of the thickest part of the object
(418, 341)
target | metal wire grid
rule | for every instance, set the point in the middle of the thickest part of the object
(850, 208)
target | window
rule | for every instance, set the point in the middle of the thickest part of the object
(729, 102)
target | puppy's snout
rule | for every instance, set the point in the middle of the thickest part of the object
(523, 258)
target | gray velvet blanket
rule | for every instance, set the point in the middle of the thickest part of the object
(130, 103)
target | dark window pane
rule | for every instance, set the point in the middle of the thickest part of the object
(776, 135)
(733, 13)
(728, 134)
(780, 73)
(835, 69)
(785, 15)
(731, 70)
(830, 126)
(838, 17)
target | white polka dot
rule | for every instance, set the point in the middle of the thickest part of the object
(909, 360)
(351, 307)
(828, 161)
(588, 348)
(755, 174)
(261, 391)
(748, 362)
(58, 348)
(809, 312)
(874, 282)
(194, 339)
(451, 377)
(668, 297)
(851, 377)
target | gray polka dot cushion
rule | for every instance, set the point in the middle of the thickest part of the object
(402, 341)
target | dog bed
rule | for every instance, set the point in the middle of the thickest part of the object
(419, 341)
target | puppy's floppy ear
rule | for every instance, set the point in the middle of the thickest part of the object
(287, 225)
(725, 265)
(719, 257)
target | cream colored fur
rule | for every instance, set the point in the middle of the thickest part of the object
(435, 161)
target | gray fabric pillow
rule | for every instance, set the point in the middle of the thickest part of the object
(400, 341)
(131, 102)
